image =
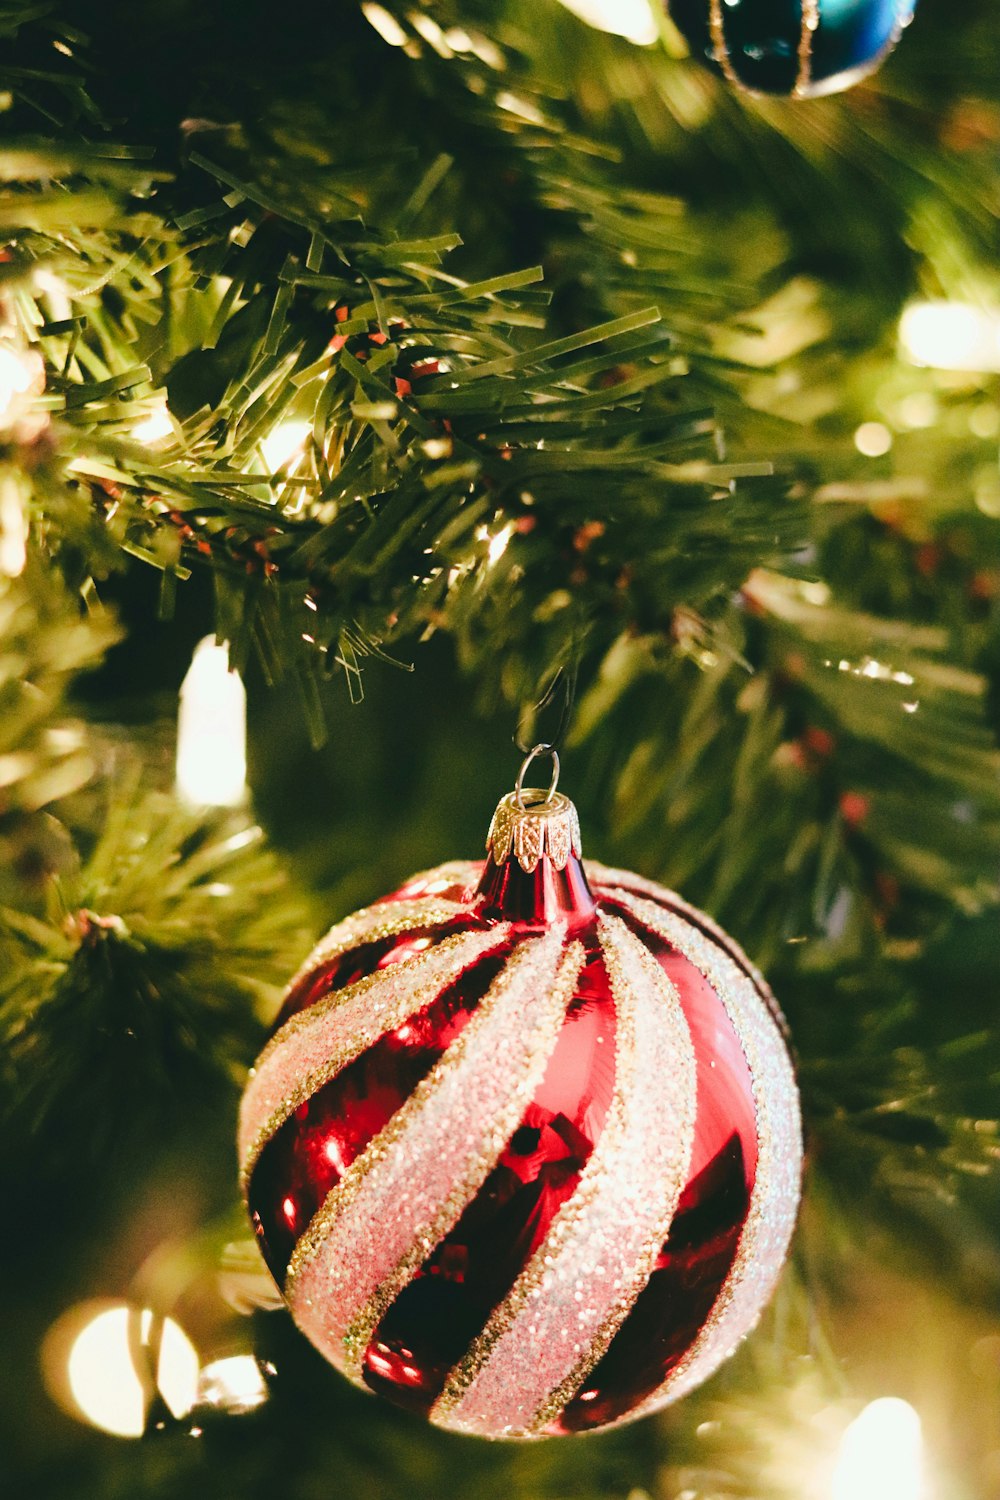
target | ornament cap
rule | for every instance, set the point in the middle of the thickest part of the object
(533, 872)
(530, 824)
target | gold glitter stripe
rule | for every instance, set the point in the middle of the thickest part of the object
(370, 925)
(810, 25)
(455, 872)
(770, 1220)
(673, 1057)
(411, 996)
(559, 993)
(720, 49)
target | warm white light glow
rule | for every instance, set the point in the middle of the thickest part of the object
(881, 1455)
(19, 371)
(154, 427)
(284, 443)
(632, 19)
(55, 289)
(385, 24)
(13, 530)
(234, 1384)
(212, 730)
(873, 439)
(951, 336)
(498, 543)
(102, 1374)
(984, 421)
(918, 410)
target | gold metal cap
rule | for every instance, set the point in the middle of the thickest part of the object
(530, 823)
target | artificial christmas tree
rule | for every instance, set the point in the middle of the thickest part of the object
(425, 356)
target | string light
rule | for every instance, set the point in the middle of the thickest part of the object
(283, 443)
(873, 439)
(212, 730)
(498, 544)
(234, 1384)
(385, 24)
(13, 530)
(881, 1455)
(17, 375)
(90, 1366)
(55, 289)
(951, 336)
(632, 19)
(22, 374)
(154, 427)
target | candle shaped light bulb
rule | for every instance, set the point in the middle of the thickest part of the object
(104, 1386)
(19, 371)
(951, 336)
(234, 1384)
(284, 442)
(153, 427)
(632, 19)
(13, 529)
(211, 730)
(881, 1454)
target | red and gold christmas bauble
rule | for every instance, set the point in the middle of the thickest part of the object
(523, 1152)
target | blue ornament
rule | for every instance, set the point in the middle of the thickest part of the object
(798, 48)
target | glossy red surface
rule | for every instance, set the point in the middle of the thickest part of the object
(537, 897)
(310, 1152)
(695, 1260)
(435, 1318)
(433, 1321)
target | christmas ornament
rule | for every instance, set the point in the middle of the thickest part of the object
(797, 47)
(523, 1151)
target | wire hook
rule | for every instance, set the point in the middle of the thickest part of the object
(566, 676)
(532, 754)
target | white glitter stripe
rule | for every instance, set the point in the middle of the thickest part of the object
(373, 922)
(412, 1184)
(317, 1043)
(611, 882)
(563, 1311)
(771, 1217)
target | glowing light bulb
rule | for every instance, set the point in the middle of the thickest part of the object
(103, 1382)
(13, 530)
(212, 730)
(881, 1455)
(385, 24)
(951, 336)
(873, 439)
(154, 427)
(498, 543)
(283, 443)
(56, 290)
(22, 376)
(632, 19)
(234, 1384)
(18, 373)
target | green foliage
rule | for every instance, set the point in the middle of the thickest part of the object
(46, 639)
(143, 982)
(578, 343)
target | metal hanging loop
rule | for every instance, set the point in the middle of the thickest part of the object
(533, 754)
